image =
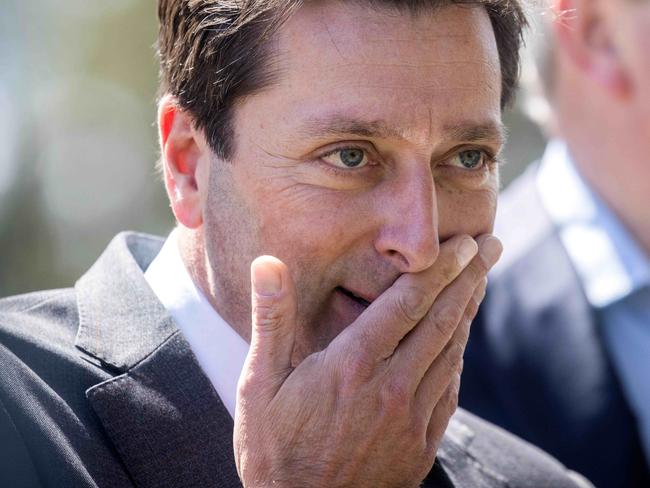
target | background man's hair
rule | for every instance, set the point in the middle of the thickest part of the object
(215, 52)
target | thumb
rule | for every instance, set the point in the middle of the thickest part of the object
(273, 322)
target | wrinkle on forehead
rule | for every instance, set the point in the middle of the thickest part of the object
(377, 65)
(344, 37)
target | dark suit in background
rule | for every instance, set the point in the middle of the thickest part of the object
(536, 364)
(99, 388)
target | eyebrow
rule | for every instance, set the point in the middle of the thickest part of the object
(469, 132)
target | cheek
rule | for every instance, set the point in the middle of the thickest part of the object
(636, 44)
(308, 223)
(466, 211)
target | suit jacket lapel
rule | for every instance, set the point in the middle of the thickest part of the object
(167, 422)
(161, 412)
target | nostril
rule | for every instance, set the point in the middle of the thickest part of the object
(402, 262)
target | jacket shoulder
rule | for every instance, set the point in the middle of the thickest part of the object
(40, 323)
(511, 460)
(46, 422)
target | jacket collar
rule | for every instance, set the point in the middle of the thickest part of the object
(161, 412)
(120, 319)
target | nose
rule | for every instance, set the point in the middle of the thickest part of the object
(408, 235)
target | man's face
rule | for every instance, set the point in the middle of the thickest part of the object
(630, 21)
(374, 145)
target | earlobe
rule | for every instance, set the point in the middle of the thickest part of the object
(182, 156)
(585, 38)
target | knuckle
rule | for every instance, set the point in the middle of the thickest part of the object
(419, 424)
(463, 331)
(452, 357)
(410, 305)
(451, 398)
(268, 314)
(476, 271)
(472, 308)
(448, 270)
(482, 287)
(354, 367)
(396, 396)
(447, 319)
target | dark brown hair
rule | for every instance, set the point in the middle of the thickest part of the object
(214, 52)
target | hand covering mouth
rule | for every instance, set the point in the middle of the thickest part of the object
(353, 296)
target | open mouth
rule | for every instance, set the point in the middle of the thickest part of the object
(354, 297)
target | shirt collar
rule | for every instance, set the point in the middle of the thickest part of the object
(609, 263)
(219, 350)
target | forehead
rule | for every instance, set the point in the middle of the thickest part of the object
(379, 63)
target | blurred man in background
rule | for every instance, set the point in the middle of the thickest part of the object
(560, 352)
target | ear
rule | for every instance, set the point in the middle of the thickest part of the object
(184, 161)
(584, 36)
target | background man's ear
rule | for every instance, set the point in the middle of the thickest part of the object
(185, 162)
(586, 40)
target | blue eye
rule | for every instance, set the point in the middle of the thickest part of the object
(347, 158)
(470, 159)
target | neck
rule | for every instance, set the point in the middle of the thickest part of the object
(195, 258)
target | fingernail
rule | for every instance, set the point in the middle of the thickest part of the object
(466, 251)
(490, 251)
(266, 279)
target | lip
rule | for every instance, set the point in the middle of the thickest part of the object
(356, 296)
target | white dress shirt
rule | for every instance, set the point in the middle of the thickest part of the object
(220, 351)
(614, 272)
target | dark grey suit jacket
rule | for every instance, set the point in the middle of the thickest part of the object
(535, 363)
(99, 388)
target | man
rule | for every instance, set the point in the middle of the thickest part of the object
(561, 349)
(356, 143)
